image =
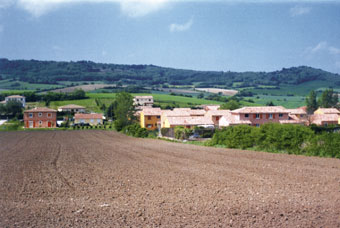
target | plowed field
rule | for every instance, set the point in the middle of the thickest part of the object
(105, 179)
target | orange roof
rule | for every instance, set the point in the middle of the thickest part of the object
(319, 118)
(88, 116)
(176, 112)
(189, 120)
(297, 111)
(152, 111)
(197, 112)
(41, 109)
(233, 120)
(15, 96)
(217, 112)
(261, 109)
(328, 110)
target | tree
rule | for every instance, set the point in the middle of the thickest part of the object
(231, 105)
(124, 111)
(14, 108)
(311, 103)
(200, 96)
(270, 103)
(109, 112)
(328, 99)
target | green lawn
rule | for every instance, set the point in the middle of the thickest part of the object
(299, 90)
(285, 101)
(18, 85)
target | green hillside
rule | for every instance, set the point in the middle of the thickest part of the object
(295, 80)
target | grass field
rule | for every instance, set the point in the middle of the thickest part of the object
(285, 101)
(108, 98)
(298, 90)
(18, 85)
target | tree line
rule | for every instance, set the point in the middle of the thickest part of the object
(279, 138)
(328, 99)
(52, 72)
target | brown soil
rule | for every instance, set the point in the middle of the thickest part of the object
(105, 179)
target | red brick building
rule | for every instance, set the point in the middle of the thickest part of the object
(40, 118)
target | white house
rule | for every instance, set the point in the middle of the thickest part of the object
(18, 98)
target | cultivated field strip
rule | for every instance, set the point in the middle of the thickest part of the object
(106, 179)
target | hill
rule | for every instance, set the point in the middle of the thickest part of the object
(52, 72)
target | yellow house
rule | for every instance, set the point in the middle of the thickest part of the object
(150, 118)
(327, 111)
(187, 121)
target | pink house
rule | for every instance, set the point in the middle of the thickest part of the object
(256, 116)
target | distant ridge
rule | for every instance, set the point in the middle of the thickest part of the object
(51, 72)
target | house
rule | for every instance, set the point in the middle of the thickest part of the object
(17, 98)
(187, 121)
(210, 107)
(216, 115)
(325, 119)
(229, 119)
(299, 115)
(143, 101)
(72, 108)
(261, 115)
(326, 111)
(150, 118)
(40, 118)
(92, 118)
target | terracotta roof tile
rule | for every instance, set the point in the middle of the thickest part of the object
(41, 109)
(188, 120)
(261, 109)
(88, 116)
(328, 110)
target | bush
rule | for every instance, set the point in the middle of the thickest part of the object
(135, 130)
(182, 133)
(241, 136)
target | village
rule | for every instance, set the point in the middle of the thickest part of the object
(155, 118)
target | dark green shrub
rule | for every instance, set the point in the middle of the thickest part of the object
(135, 130)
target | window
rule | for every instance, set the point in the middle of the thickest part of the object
(49, 115)
(149, 117)
(217, 118)
(82, 121)
(270, 116)
(40, 114)
(280, 115)
(149, 99)
(30, 115)
(149, 126)
(98, 121)
(257, 125)
(257, 116)
(91, 120)
(158, 117)
(246, 115)
(40, 123)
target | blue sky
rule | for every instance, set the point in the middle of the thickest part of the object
(235, 35)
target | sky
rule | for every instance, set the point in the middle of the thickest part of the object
(218, 35)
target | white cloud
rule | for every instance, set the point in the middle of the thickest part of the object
(334, 50)
(132, 8)
(137, 8)
(181, 27)
(299, 10)
(323, 46)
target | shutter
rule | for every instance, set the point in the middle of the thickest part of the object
(254, 116)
